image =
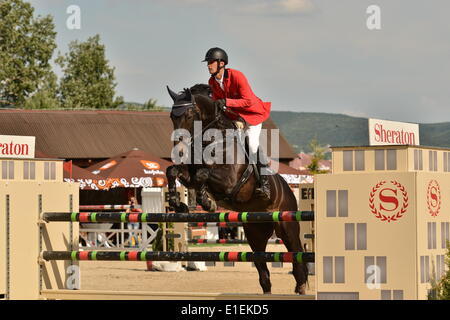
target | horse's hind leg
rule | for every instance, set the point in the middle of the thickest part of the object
(257, 236)
(289, 232)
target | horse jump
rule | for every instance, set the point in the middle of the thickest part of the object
(232, 216)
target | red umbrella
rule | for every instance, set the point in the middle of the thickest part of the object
(73, 173)
(132, 169)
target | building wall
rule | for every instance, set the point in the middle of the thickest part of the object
(22, 199)
(392, 219)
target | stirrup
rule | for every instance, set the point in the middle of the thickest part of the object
(263, 190)
(262, 194)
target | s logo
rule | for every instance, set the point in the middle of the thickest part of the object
(434, 198)
(388, 201)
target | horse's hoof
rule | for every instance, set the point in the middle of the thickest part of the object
(174, 202)
(301, 289)
(268, 292)
(182, 207)
(212, 207)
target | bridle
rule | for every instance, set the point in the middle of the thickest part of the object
(197, 115)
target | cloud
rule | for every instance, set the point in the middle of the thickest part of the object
(277, 7)
(254, 7)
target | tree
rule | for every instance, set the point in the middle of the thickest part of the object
(441, 287)
(318, 153)
(26, 47)
(444, 285)
(45, 98)
(152, 104)
(88, 80)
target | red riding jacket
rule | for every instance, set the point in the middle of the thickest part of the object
(240, 97)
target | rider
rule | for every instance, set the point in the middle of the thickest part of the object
(231, 89)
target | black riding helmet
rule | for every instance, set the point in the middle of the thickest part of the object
(214, 54)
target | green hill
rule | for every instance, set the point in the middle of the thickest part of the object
(299, 128)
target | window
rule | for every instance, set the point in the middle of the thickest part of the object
(348, 160)
(337, 295)
(379, 159)
(391, 159)
(341, 207)
(7, 169)
(445, 234)
(29, 170)
(349, 236)
(327, 269)
(375, 268)
(424, 269)
(440, 266)
(446, 161)
(337, 272)
(432, 163)
(391, 294)
(358, 160)
(49, 171)
(386, 159)
(343, 203)
(361, 236)
(418, 160)
(361, 239)
(431, 235)
(331, 203)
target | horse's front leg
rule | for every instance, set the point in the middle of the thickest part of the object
(172, 173)
(202, 197)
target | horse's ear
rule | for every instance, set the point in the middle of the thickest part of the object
(172, 94)
(188, 94)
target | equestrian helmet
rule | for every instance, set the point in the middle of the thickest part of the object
(214, 54)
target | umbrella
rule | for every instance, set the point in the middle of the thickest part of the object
(74, 173)
(132, 169)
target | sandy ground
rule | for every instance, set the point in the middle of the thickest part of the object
(241, 278)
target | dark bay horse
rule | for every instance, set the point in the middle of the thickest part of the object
(215, 184)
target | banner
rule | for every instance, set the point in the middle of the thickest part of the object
(17, 147)
(384, 132)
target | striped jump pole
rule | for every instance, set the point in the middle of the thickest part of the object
(231, 241)
(178, 256)
(244, 217)
(105, 207)
(216, 224)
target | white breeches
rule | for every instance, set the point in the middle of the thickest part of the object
(253, 133)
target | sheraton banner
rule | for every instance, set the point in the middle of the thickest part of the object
(384, 132)
(17, 146)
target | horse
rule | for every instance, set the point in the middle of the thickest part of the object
(223, 184)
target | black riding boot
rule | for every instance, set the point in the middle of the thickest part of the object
(262, 190)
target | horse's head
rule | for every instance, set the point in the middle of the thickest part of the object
(184, 110)
(194, 104)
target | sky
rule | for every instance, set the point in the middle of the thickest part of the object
(302, 55)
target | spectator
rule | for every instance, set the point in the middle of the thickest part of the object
(134, 207)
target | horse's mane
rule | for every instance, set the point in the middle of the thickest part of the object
(201, 89)
(203, 95)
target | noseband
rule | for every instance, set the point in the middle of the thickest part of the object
(179, 109)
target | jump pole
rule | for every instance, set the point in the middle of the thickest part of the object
(178, 256)
(244, 217)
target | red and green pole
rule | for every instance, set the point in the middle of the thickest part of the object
(179, 256)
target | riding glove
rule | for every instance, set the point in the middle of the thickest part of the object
(221, 104)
